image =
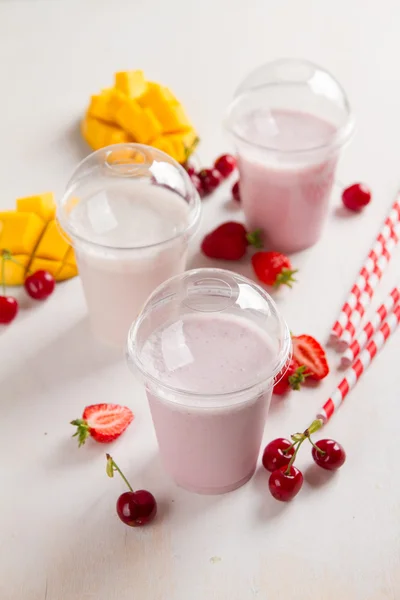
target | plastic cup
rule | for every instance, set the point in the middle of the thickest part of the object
(289, 120)
(130, 211)
(209, 345)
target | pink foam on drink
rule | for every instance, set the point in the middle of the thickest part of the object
(210, 444)
(285, 193)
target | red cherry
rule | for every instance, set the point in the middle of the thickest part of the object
(198, 184)
(225, 164)
(332, 456)
(356, 196)
(277, 454)
(40, 285)
(8, 309)
(210, 179)
(136, 508)
(190, 170)
(285, 486)
(236, 192)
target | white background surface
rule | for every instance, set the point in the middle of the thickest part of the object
(60, 538)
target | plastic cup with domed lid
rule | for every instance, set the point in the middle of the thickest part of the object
(130, 211)
(289, 120)
(209, 345)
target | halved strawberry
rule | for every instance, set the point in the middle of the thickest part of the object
(103, 422)
(307, 351)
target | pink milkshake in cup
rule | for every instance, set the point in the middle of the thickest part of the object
(290, 120)
(130, 211)
(208, 345)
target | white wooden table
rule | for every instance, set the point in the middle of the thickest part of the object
(60, 538)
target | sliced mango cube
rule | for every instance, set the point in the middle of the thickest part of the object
(66, 272)
(14, 272)
(139, 122)
(42, 205)
(165, 145)
(20, 232)
(99, 134)
(99, 106)
(184, 143)
(52, 245)
(136, 110)
(131, 83)
(115, 102)
(52, 266)
(170, 113)
(34, 240)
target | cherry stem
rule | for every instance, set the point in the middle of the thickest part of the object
(315, 446)
(286, 450)
(298, 439)
(299, 443)
(116, 468)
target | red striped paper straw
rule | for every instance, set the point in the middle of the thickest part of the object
(360, 365)
(354, 350)
(361, 282)
(367, 295)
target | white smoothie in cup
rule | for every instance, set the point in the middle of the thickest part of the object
(208, 345)
(289, 121)
(130, 211)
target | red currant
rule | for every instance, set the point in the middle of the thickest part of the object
(283, 485)
(330, 455)
(8, 309)
(136, 508)
(225, 164)
(210, 179)
(40, 285)
(277, 454)
(236, 192)
(356, 196)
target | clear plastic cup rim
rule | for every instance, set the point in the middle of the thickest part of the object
(258, 386)
(193, 221)
(342, 136)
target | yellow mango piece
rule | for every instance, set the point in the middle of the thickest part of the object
(99, 134)
(117, 137)
(140, 123)
(52, 266)
(184, 143)
(14, 274)
(89, 131)
(131, 83)
(42, 205)
(66, 272)
(69, 258)
(52, 244)
(99, 106)
(168, 111)
(20, 232)
(115, 102)
(162, 143)
(169, 96)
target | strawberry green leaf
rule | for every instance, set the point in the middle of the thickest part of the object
(82, 430)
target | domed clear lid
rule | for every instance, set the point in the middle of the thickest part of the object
(268, 103)
(209, 333)
(129, 196)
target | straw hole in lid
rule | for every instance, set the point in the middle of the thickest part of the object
(209, 295)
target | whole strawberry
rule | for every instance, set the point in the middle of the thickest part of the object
(229, 241)
(273, 268)
(291, 379)
(103, 422)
